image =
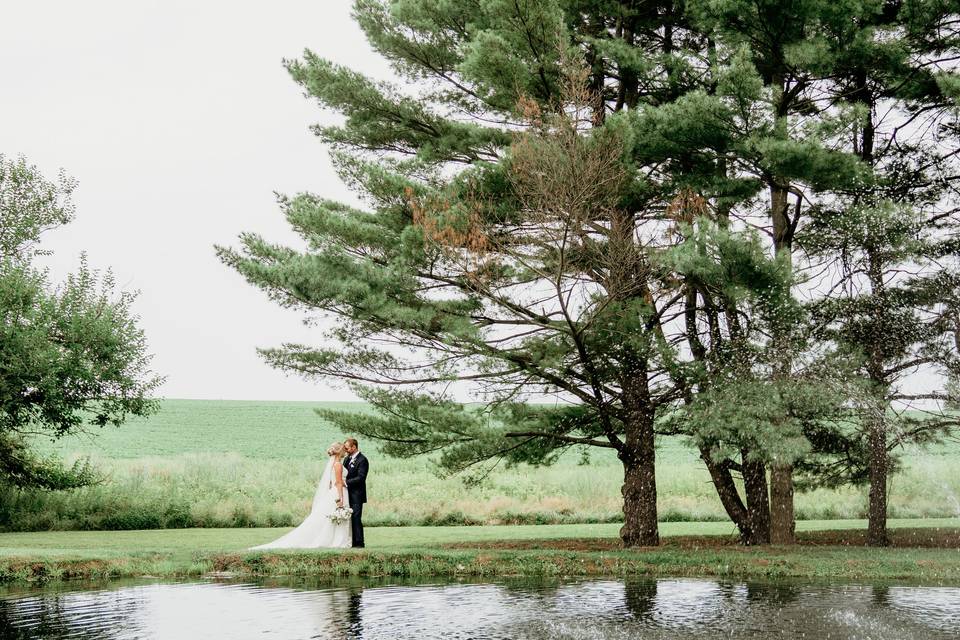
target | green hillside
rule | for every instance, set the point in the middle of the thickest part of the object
(254, 429)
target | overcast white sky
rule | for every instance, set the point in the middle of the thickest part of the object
(179, 122)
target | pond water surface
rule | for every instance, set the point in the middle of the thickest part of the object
(537, 610)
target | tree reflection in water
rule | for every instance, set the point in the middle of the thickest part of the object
(773, 594)
(678, 609)
(640, 597)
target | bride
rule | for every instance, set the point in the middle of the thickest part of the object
(318, 530)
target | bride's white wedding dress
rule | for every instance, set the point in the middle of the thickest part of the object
(318, 530)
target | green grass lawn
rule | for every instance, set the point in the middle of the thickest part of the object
(201, 463)
(185, 542)
(701, 548)
(182, 543)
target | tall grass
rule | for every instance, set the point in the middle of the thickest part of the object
(236, 464)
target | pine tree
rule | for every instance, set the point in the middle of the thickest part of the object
(825, 68)
(894, 239)
(489, 276)
(780, 61)
(562, 198)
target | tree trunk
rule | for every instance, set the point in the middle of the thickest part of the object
(729, 496)
(639, 505)
(639, 487)
(876, 410)
(781, 475)
(877, 516)
(758, 502)
(782, 524)
(638, 456)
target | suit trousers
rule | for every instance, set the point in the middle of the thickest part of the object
(356, 523)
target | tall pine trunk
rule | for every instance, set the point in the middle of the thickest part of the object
(781, 505)
(729, 496)
(877, 514)
(758, 501)
(781, 475)
(876, 411)
(639, 482)
(877, 425)
(639, 504)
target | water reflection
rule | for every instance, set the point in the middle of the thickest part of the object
(656, 609)
(941, 603)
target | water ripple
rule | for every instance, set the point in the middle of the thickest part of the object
(585, 610)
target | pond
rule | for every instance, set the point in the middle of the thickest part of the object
(536, 610)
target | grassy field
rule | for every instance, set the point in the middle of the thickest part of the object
(256, 464)
(555, 550)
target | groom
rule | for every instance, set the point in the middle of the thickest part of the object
(357, 468)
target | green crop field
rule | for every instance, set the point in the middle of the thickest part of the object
(243, 464)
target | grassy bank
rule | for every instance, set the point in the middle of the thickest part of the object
(256, 464)
(689, 549)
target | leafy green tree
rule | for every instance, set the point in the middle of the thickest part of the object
(29, 206)
(71, 355)
(740, 414)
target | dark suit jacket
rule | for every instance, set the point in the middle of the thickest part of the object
(356, 479)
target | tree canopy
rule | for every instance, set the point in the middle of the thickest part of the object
(591, 215)
(71, 354)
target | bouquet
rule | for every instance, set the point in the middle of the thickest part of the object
(341, 515)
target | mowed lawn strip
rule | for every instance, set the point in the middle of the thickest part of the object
(689, 549)
(185, 542)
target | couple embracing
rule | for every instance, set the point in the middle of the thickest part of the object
(335, 520)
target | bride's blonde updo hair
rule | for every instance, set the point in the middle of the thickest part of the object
(335, 449)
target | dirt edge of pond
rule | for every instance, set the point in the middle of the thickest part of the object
(921, 538)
